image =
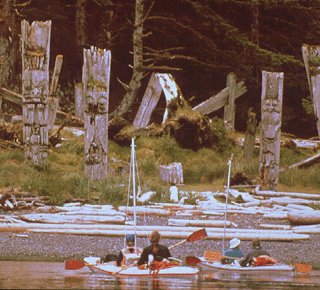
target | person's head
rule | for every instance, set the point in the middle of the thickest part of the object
(154, 240)
(256, 244)
(234, 243)
(130, 240)
(155, 237)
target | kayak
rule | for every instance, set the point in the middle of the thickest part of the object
(280, 269)
(110, 268)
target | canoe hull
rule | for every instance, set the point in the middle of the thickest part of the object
(278, 269)
(110, 268)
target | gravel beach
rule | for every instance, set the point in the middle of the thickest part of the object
(59, 247)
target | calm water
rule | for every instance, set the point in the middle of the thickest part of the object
(43, 275)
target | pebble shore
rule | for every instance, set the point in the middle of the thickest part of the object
(60, 247)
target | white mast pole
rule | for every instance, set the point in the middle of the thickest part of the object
(134, 191)
(227, 195)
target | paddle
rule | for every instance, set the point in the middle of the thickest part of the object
(302, 268)
(74, 264)
(195, 236)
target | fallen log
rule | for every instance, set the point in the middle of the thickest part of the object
(303, 163)
(144, 231)
(303, 217)
(60, 218)
(268, 193)
(198, 223)
(275, 227)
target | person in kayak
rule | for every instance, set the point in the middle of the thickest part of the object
(158, 251)
(233, 252)
(256, 251)
(128, 255)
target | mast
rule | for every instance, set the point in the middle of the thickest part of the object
(133, 170)
(227, 195)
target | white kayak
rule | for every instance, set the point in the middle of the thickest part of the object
(110, 268)
(277, 269)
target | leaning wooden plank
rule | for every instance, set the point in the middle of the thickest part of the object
(268, 193)
(303, 163)
(303, 217)
(219, 100)
(198, 223)
(53, 100)
(148, 103)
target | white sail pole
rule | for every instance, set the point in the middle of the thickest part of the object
(227, 196)
(133, 162)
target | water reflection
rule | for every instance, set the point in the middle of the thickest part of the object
(41, 275)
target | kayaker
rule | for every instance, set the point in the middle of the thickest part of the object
(128, 255)
(233, 252)
(256, 251)
(158, 251)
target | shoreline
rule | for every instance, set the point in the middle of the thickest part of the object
(60, 247)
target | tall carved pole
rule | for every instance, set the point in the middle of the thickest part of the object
(35, 88)
(95, 78)
(271, 112)
(311, 58)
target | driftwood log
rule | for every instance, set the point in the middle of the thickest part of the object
(303, 217)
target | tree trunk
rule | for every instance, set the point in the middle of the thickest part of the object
(255, 24)
(35, 89)
(137, 75)
(80, 24)
(8, 43)
(271, 111)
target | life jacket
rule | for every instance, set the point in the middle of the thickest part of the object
(263, 261)
(130, 258)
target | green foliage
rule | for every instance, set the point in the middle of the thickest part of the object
(219, 137)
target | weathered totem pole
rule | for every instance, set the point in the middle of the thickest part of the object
(35, 88)
(95, 79)
(271, 112)
(311, 58)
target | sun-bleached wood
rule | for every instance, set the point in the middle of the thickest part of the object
(271, 113)
(35, 43)
(95, 79)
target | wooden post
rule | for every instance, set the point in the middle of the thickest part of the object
(95, 78)
(78, 98)
(311, 58)
(35, 88)
(230, 107)
(271, 112)
(53, 99)
(250, 137)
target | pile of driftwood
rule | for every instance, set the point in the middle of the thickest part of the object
(15, 200)
(182, 219)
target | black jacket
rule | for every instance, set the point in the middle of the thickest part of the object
(163, 253)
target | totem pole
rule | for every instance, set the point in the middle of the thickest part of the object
(95, 78)
(271, 111)
(35, 89)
